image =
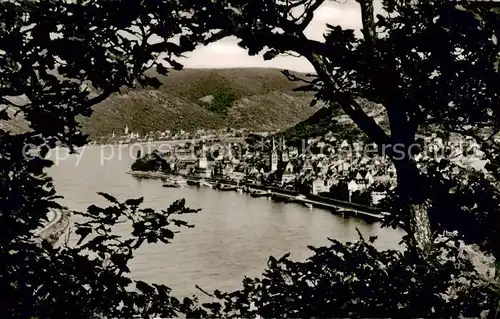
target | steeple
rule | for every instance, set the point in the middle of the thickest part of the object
(274, 158)
(202, 162)
(284, 152)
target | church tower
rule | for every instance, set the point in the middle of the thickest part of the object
(284, 152)
(203, 163)
(274, 157)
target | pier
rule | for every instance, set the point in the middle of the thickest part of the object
(339, 208)
(335, 205)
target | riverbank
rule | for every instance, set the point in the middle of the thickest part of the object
(54, 230)
(335, 206)
(167, 141)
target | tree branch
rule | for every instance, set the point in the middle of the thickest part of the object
(309, 14)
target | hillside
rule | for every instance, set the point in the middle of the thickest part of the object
(257, 99)
(253, 98)
(332, 120)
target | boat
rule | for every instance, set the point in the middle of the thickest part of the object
(281, 198)
(191, 182)
(207, 184)
(258, 193)
(309, 205)
(223, 187)
(179, 181)
(170, 184)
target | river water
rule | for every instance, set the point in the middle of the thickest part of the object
(234, 234)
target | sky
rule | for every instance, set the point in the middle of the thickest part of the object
(226, 53)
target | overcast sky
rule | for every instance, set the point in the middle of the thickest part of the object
(226, 53)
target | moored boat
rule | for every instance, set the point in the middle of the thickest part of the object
(255, 193)
(179, 180)
(223, 187)
(207, 184)
(281, 198)
(191, 182)
(170, 184)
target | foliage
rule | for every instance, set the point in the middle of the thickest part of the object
(151, 162)
(90, 279)
(59, 58)
(355, 280)
(323, 122)
(222, 102)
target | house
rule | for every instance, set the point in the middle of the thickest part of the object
(307, 165)
(365, 177)
(185, 167)
(288, 174)
(358, 181)
(285, 157)
(227, 169)
(202, 169)
(238, 173)
(253, 171)
(378, 192)
(321, 184)
(341, 167)
(293, 152)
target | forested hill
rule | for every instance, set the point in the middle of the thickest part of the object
(252, 98)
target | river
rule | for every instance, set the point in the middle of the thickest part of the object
(234, 234)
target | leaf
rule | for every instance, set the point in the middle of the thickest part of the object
(144, 287)
(4, 116)
(359, 234)
(176, 65)
(167, 233)
(134, 202)
(305, 88)
(272, 262)
(154, 82)
(83, 232)
(47, 245)
(94, 210)
(269, 55)
(161, 69)
(108, 197)
(284, 257)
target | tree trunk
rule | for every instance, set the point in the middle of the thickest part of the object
(368, 19)
(412, 188)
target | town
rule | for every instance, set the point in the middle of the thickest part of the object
(323, 166)
(129, 136)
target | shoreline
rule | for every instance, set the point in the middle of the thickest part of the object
(54, 230)
(233, 138)
(334, 205)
